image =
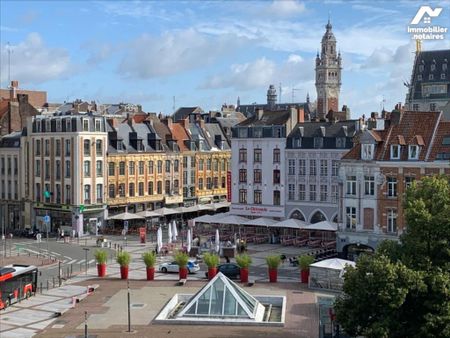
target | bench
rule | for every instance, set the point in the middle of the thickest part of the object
(181, 282)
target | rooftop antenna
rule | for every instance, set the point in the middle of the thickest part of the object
(279, 101)
(383, 101)
(293, 93)
(9, 49)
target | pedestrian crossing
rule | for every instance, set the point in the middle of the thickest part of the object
(62, 258)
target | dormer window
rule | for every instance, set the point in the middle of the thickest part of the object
(413, 153)
(85, 125)
(318, 142)
(367, 151)
(340, 142)
(421, 68)
(433, 67)
(444, 67)
(443, 76)
(395, 152)
(431, 77)
(298, 142)
(419, 77)
(58, 125)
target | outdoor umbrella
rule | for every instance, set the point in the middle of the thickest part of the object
(175, 230)
(188, 240)
(148, 214)
(126, 216)
(170, 233)
(159, 242)
(166, 211)
(217, 241)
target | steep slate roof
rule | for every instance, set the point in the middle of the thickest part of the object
(269, 118)
(183, 112)
(249, 110)
(180, 135)
(162, 131)
(211, 131)
(413, 128)
(441, 145)
(427, 58)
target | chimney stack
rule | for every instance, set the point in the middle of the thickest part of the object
(259, 113)
(13, 90)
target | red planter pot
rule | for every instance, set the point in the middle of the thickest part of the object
(273, 274)
(124, 272)
(244, 275)
(304, 276)
(150, 273)
(101, 270)
(183, 272)
(212, 272)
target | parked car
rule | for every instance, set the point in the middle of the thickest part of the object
(231, 270)
(192, 267)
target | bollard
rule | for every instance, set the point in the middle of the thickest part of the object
(53, 279)
(40, 286)
(48, 282)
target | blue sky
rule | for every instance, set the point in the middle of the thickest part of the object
(208, 53)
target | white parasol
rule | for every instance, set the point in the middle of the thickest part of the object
(170, 233)
(159, 242)
(188, 240)
(217, 241)
(175, 230)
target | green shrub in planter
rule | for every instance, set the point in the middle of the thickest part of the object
(101, 256)
(181, 258)
(123, 258)
(304, 261)
(149, 258)
(243, 260)
(211, 260)
(273, 261)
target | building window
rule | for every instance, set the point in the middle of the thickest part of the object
(99, 147)
(367, 151)
(369, 185)
(87, 169)
(334, 168)
(223, 165)
(38, 147)
(432, 106)
(312, 192)
(87, 147)
(415, 107)
(100, 193)
(98, 125)
(68, 194)
(131, 189)
(167, 187)
(85, 125)
(419, 77)
(47, 148)
(323, 192)
(67, 147)
(150, 188)
(208, 164)
(37, 168)
(392, 220)
(318, 142)
(431, 77)
(409, 181)
(58, 169)
(185, 162)
(243, 196)
(167, 166)
(312, 168)
(301, 167)
(38, 191)
(291, 167)
(413, 153)
(200, 183)
(159, 187)
(159, 169)
(257, 155)
(87, 194)
(242, 175)
(200, 164)
(392, 186)
(334, 193)
(176, 165)
(216, 182)
(122, 190)
(276, 155)
(111, 169)
(340, 142)
(242, 155)
(224, 184)
(131, 170)
(68, 167)
(323, 168)
(208, 183)
(47, 169)
(185, 192)
(351, 185)
(276, 197)
(112, 191)
(350, 219)
(216, 165)
(257, 176)
(141, 168)
(291, 192)
(302, 192)
(395, 151)
(58, 148)
(257, 197)
(185, 177)
(122, 168)
(443, 76)
(150, 167)
(192, 177)
(276, 176)
(176, 186)
(99, 168)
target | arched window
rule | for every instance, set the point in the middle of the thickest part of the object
(317, 217)
(298, 215)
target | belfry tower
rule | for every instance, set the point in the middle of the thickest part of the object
(328, 75)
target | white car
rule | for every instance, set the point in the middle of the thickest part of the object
(192, 267)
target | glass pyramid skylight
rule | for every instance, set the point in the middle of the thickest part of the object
(223, 298)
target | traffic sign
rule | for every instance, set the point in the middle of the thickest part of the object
(81, 207)
(47, 219)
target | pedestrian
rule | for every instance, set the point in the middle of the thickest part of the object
(227, 259)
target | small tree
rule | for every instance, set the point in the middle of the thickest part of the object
(149, 258)
(181, 258)
(123, 258)
(244, 261)
(101, 256)
(304, 261)
(273, 261)
(211, 260)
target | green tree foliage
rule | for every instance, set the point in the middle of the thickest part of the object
(404, 289)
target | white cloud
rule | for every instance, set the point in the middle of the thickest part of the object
(98, 51)
(286, 8)
(34, 62)
(294, 58)
(173, 52)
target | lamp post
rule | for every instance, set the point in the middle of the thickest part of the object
(86, 261)
(129, 306)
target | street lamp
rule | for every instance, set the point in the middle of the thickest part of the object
(86, 261)
(129, 305)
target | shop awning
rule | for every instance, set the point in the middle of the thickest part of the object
(322, 226)
(166, 211)
(148, 213)
(291, 223)
(126, 216)
(261, 221)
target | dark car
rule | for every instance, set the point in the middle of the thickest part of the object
(231, 270)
